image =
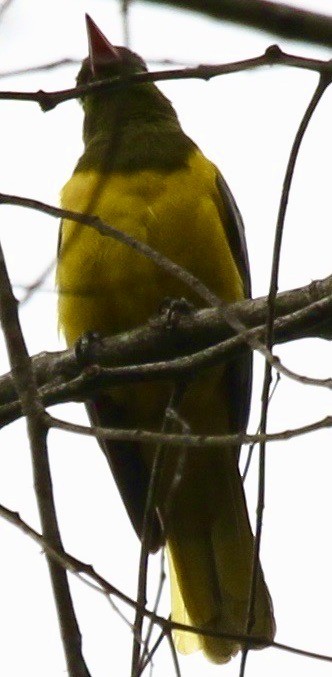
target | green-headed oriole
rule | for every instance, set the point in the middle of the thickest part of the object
(140, 173)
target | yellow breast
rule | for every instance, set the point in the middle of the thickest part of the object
(108, 287)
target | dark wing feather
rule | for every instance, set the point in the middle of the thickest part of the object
(239, 372)
(130, 473)
(234, 228)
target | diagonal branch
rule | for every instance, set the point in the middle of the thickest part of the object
(32, 409)
(175, 270)
(274, 17)
(89, 576)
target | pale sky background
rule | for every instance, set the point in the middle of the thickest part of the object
(246, 124)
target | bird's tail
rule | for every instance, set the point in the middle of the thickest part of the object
(210, 572)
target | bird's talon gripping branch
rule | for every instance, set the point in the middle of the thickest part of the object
(84, 348)
(173, 309)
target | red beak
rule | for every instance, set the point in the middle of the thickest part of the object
(101, 51)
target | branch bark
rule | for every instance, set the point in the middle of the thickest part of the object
(100, 584)
(273, 55)
(155, 351)
(273, 17)
(32, 408)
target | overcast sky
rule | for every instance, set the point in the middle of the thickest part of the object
(246, 124)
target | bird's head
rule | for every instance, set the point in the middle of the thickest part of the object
(106, 60)
(139, 107)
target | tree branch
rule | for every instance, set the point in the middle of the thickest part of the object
(272, 17)
(200, 339)
(272, 56)
(86, 574)
(32, 408)
(270, 321)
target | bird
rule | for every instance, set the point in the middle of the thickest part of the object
(144, 176)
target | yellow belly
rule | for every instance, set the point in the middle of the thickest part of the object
(108, 287)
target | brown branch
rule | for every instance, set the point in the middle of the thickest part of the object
(70, 61)
(147, 653)
(188, 439)
(154, 482)
(270, 321)
(66, 61)
(192, 282)
(272, 56)
(87, 573)
(108, 230)
(65, 560)
(273, 17)
(32, 408)
(125, 22)
(152, 351)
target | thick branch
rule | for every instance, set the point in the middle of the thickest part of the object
(273, 17)
(202, 338)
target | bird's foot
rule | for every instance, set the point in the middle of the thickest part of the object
(174, 309)
(85, 348)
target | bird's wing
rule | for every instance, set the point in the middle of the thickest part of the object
(239, 371)
(127, 466)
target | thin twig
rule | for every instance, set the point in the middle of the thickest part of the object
(174, 420)
(155, 476)
(160, 260)
(146, 654)
(125, 22)
(322, 85)
(174, 655)
(190, 440)
(32, 408)
(90, 577)
(252, 446)
(108, 230)
(272, 56)
(67, 61)
(152, 652)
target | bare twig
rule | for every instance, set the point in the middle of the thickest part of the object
(109, 231)
(190, 440)
(24, 381)
(125, 21)
(160, 260)
(253, 444)
(272, 56)
(154, 483)
(67, 61)
(322, 85)
(147, 655)
(152, 651)
(174, 655)
(89, 576)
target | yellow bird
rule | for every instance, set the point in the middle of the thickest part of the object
(140, 173)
